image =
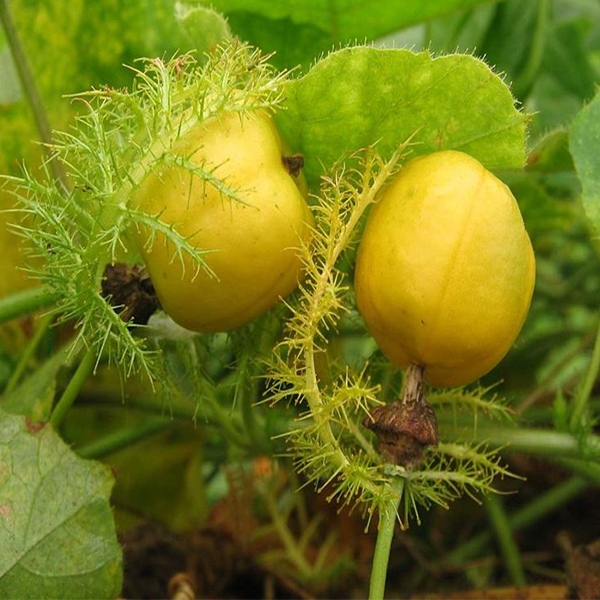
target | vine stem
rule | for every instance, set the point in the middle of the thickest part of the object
(84, 370)
(529, 514)
(532, 441)
(585, 389)
(22, 303)
(294, 552)
(124, 438)
(506, 541)
(388, 515)
(28, 352)
(29, 87)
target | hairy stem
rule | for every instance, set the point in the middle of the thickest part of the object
(385, 533)
(313, 394)
(84, 370)
(508, 546)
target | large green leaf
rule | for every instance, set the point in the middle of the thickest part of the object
(358, 96)
(57, 538)
(585, 148)
(301, 30)
(34, 397)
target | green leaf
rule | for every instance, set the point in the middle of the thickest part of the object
(461, 31)
(34, 397)
(358, 96)
(301, 30)
(541, 212)
(566, 58)
(348, 19)
(509, 39)
(204, 27)
(551, 153)
(585, 148)
(57, 537)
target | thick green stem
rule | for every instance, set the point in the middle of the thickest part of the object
(585, 389)
(124, 438)
(84, 370)
(23, 303)
(508, 546)
(584, 468)
(385, 533)
(529, 514)
(531, 441)
(28, 85)
(212, 412)
(41, 330)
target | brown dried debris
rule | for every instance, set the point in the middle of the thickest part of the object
(130, 291)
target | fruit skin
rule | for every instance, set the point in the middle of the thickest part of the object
(13, 278)
(255, 256)
(445, 269)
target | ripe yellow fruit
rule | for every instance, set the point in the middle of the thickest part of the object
(12, 276)
(445, 269)
(254, 244)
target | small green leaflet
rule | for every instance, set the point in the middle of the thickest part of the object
(585, 148)
(359, 96)
(57, 534)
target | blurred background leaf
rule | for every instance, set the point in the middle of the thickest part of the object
(58, 537)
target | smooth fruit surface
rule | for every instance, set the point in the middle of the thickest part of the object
(12, 276)
(445, 269)
(253, 243)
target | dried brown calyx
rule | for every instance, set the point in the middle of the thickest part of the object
(293, 164)
(129, 290)
(405, 428)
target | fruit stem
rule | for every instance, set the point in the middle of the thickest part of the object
(388, 515)
(414, 384)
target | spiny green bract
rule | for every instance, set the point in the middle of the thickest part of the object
(329, 444)
(79, 227)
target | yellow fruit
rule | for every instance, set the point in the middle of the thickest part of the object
(254, 244)
(12, 276)
(445, 269)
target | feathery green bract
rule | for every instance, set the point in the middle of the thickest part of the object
(123, 136)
